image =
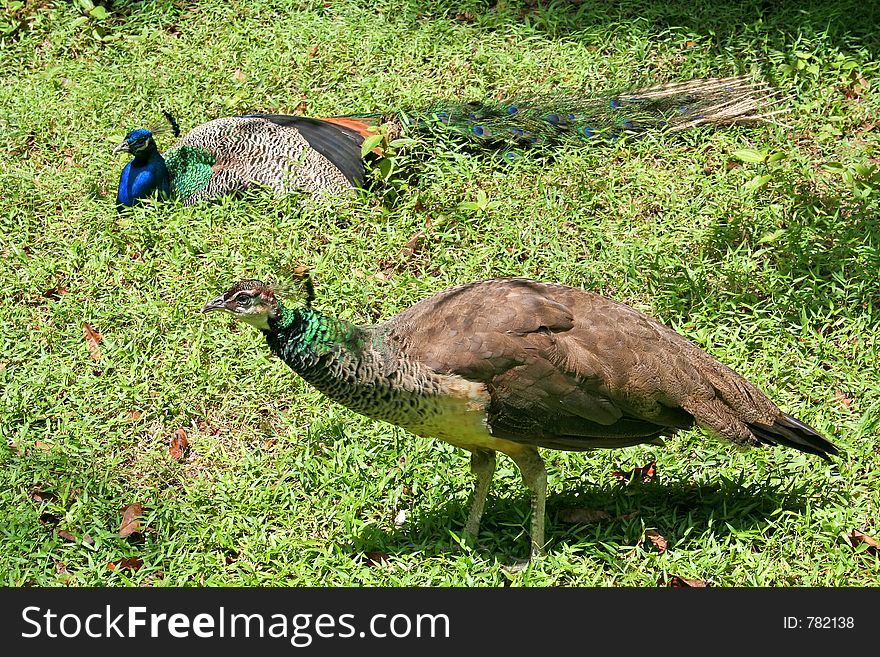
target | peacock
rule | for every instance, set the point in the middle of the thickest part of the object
(324, 155)
(512, 365)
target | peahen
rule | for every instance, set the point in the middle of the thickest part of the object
(315, 156)
(510, 365)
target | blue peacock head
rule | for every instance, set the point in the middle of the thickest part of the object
(137, 142)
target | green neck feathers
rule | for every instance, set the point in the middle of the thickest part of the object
(190, 169)
(304, 338)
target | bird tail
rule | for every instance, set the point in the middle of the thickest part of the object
(671, 107)
(512, 125)
(793, 433)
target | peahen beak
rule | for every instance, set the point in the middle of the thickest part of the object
(215, 304)
(124, 146)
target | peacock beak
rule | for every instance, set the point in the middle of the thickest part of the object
(124, 146)
(215, 304)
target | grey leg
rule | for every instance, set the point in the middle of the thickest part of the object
(534, 475)
(483, 466)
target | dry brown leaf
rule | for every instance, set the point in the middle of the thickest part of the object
(269, 443)
(54, 293)
(658, 540)
(131, 523)
(60, 568)
(645, 473)
(843, 398)
(300, 107)
(128, 563)
(37, 494)
(238, 76)
(412, 245)
(312, 50)
(684, 583)
(133, 416)
(92, 338)
(857, 538)
(43, 447)
(66, 535)
(376, 557)
(179, 444)
(581, 516)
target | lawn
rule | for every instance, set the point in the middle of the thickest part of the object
(772, 266)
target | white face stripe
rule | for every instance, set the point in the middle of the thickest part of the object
(256, 311)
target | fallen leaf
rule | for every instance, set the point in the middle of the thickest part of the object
(129, 563)
(645, 473)
(375, 557)
(411, 247)
(179, 444)
(37, 494)
(88, 540)
(92, 338)
(684, 583)
(312, 50)
(133, 416)
(300, 107)
(131, 523)
(60, 568)
(580, 516)
(857, 538)
(54, 293)
(843, 398)
(49, 518)
(238, 76)
(657, 539)
(269, 443)
(690, 44)
(66, 535)
(43, 447)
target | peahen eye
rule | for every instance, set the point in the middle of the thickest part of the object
(244, 299)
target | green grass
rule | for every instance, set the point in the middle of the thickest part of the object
(779, 282)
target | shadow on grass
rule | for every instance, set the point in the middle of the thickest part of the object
(848, 24)
(683, 512)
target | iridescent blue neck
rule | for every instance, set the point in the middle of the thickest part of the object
(144, 176)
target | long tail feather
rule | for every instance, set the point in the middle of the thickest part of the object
(671, 107)
(793, 433)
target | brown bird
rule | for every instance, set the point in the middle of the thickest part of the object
(510, 365)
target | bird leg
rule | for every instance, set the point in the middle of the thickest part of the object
(483, 466)
(534, 475)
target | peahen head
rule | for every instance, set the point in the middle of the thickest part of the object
(250, 301)
(138, 142)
